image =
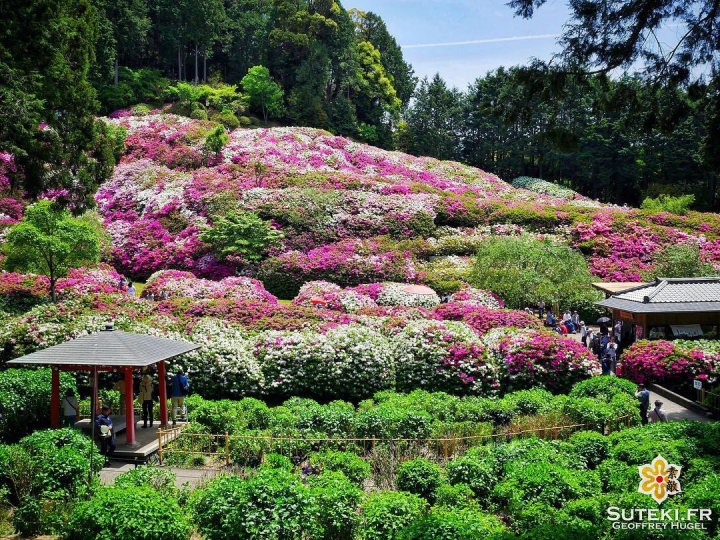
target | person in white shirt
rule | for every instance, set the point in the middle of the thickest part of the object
(611, 351)
(131, 289)
(657, 414)
(583, 333)
(70, 407)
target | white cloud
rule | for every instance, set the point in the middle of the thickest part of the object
(480, 41)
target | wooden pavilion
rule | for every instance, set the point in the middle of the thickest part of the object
(109, 350)
(668, 307)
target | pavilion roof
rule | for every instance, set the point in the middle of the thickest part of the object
(108, 348)
(668, 295)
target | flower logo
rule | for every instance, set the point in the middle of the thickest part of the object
(659, 479)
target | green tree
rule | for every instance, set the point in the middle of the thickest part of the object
(242, 236)
(216, 139)
(523, 270)
(611, 35)
(680, 261)
(49, 241)
(46, 49)
(370, 27)
(435, 120)
(265, 94)
(130, 25)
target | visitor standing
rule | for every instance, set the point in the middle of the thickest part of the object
(131, 289)
(612, 351)
(541, 308)
(146, 398)
(180, 389)
(617, 330)
(576, 320)
(583, 333)
(658, 414)
(104, 425)
(70, 408)
(643, 397)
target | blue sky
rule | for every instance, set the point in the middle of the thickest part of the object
(464, 39)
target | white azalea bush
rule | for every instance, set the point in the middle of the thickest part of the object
(350, 360)
(223, 366)
(395, 294)
(443, 356)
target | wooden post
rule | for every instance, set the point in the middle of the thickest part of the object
(227, 448)
(129, 408)
(160, 449)
(55, 399)
(163, 393)
(373, 443)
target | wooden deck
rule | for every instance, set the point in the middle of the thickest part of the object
(146, 439)
(146, 442)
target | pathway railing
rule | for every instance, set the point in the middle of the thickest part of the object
(249, 449)
(711, 400)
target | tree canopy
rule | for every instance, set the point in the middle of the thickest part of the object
(523, 270)
(615, 34)
(49, 241)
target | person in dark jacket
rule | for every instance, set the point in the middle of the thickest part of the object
(643, 396)
(180, 388)
(107, 435)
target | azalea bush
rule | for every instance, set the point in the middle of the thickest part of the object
(444, 356)
(349, 360)
(482, 319)
(533, 358)
(664, 361)
(175, 283)
(345, 263)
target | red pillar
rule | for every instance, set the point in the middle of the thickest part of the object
(55, 399)
(94, 413)
(163, 393)
(129, 408)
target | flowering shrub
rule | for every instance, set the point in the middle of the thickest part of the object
(541, 186)
(402, 294)
(533, 358)
(445, 356)
(331, 296)
(349, 262)
(85, 281)
(349, 360)
(480, 297)
(482, 319)
(23, 285)
(663, 361)
(175, 283)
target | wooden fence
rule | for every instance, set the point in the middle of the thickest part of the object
(226, 449)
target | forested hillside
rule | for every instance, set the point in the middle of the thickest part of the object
(318, 63)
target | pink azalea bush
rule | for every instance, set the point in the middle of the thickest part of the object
(82, 282)
(663, 361)
(536, 358)
(482, 319)
(176, 283)
(23, 285)
(328, 295)
(350, 262)
(480, 297)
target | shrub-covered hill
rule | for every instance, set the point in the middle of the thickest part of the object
(349, 213)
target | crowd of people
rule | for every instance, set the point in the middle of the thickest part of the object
(604, 342)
